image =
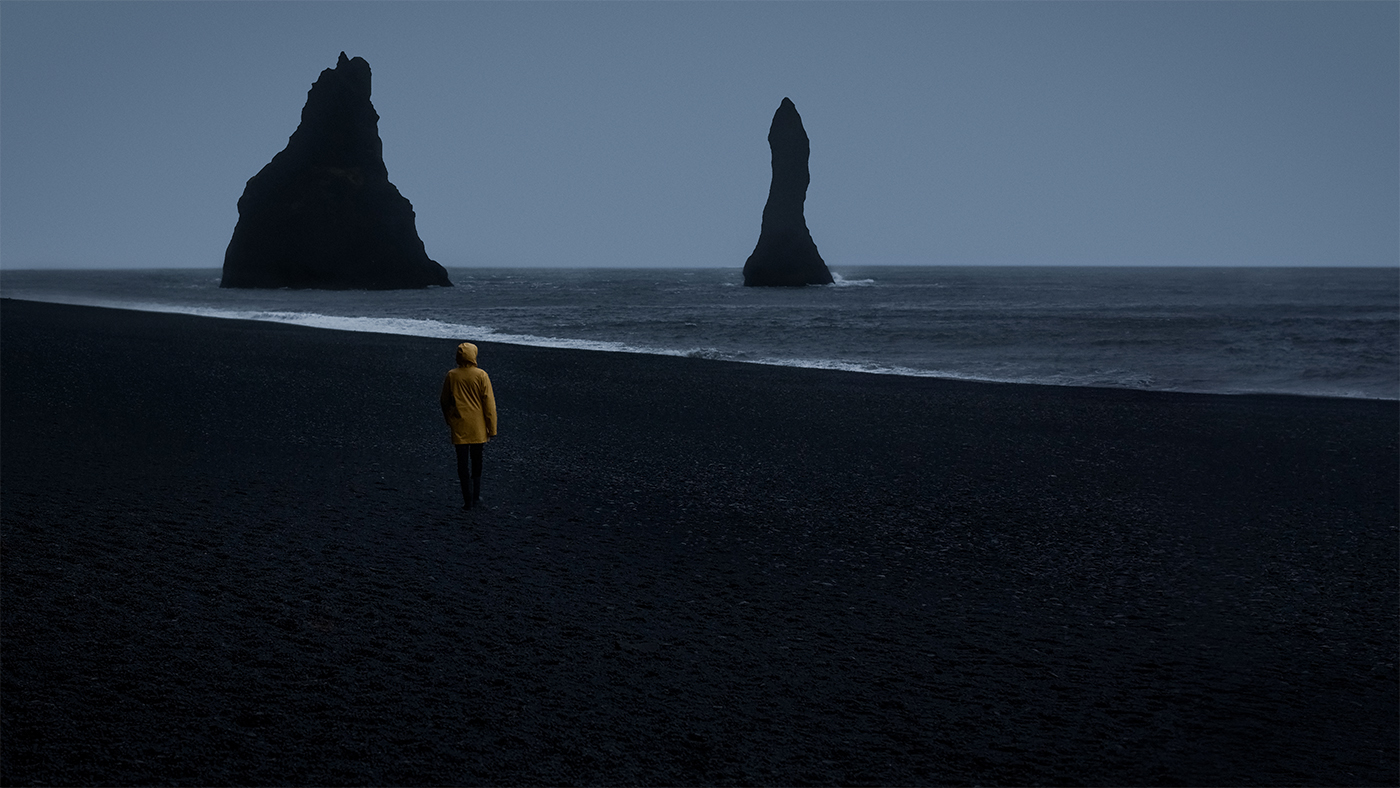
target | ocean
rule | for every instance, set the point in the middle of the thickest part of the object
(1332, 332)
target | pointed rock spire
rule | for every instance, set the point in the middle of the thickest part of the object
(786, 254)
(323, 214)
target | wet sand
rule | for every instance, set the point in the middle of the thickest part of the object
(233, 553)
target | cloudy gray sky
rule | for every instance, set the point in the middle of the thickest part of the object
(633, 134)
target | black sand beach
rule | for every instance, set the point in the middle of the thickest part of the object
(233, 554)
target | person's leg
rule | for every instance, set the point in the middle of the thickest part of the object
(477, 452)
(464, 472)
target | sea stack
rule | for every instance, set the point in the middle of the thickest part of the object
(323, 214)
(786, 254)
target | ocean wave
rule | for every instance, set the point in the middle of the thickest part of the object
(841, 281)
(1112, 377)
(437, 329)
(708, 352)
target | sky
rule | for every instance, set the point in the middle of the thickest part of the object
(635, 133)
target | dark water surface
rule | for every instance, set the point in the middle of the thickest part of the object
(1311, 331)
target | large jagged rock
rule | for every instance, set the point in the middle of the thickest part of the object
(322, 213)
(786, 254)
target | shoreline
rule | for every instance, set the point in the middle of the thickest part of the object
(233, 555)
(348, 324)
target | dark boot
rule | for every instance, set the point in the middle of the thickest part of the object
(467, 497)
(476, 490)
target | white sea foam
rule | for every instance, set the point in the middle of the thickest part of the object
(436, 329)
(431, 329)
(841, 281)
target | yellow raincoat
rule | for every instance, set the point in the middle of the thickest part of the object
(467, 402)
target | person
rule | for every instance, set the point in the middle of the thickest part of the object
(469, 407)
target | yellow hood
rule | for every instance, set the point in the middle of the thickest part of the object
(466, 354)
